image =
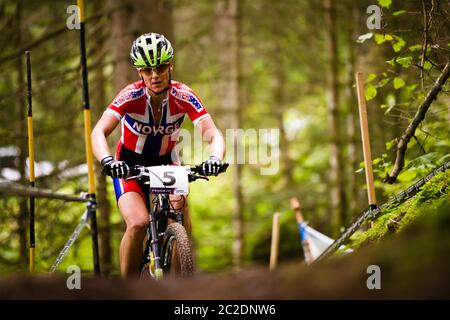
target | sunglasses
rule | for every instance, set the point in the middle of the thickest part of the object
(159, 69)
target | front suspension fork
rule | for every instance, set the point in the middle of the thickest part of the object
(154, 243)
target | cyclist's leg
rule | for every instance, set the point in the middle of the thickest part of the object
(180, 204)
(134, 212)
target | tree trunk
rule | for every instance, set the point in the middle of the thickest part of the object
(228, 36)
(121, 40)
(279, 98)
(336, 178)
(351, 115)
(153, 16)
(103, 204)
(139, 17)
(21, 133)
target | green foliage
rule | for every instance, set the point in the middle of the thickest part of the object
(290, 245)
(297, 52)
(210, 204)
(398, 44)
(398, 83)
(385, 3)
(409, 88)
(394, 219)
(405, 62)
(371, 91)
(399, 12)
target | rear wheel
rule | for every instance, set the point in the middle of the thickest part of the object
(176, 252)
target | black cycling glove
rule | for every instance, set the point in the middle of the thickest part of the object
(212, 166)
(113, 168)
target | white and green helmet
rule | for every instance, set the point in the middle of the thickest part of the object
(151, 50)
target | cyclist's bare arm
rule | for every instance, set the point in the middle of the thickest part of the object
(212, 135)
(101, 131)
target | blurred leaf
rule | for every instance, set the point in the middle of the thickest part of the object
(411, 88)
(405, 62)
(390, 99)
(371, 92)
(399, 12)
(390, 144)
(376, 161)
(371, 77)
(424, 161)
(398, 83)
(391, 62)
(383, 82)
(444, 158)
(364, 37)
(415, 47)
(379, 38)
(427, 66)
(385, 3)
(391, 102)
(407, 176)
(399, 44)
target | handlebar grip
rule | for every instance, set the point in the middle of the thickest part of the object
(134, 171)
(198, 169)
(224, 167)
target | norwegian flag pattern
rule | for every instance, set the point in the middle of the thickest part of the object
(139, 131)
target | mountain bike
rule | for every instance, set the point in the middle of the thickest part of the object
(168, 248)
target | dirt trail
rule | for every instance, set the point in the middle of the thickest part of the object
(413, 264)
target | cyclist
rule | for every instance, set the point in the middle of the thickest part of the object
(151, 111)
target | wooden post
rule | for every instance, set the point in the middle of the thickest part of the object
(31, 165)
(87, 141)
(295, 206)
(365, 139)
(275, 241)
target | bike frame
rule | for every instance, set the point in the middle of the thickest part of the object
(158, 215)
(159, 211)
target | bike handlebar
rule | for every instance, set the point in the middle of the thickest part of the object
(196, 172)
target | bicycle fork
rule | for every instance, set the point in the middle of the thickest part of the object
(154, 243)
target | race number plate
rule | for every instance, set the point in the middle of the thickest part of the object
(169, 179)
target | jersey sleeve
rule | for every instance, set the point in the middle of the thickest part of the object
(120, 105)
(191, 103)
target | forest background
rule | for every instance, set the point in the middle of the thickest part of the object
(256, 65)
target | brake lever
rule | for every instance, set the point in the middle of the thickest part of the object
(135, 173)
(193, 177)
(132, 178)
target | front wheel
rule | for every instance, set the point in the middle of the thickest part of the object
(176, 251)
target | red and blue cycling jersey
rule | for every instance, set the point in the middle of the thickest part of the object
(143, 141)
(140, 133)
